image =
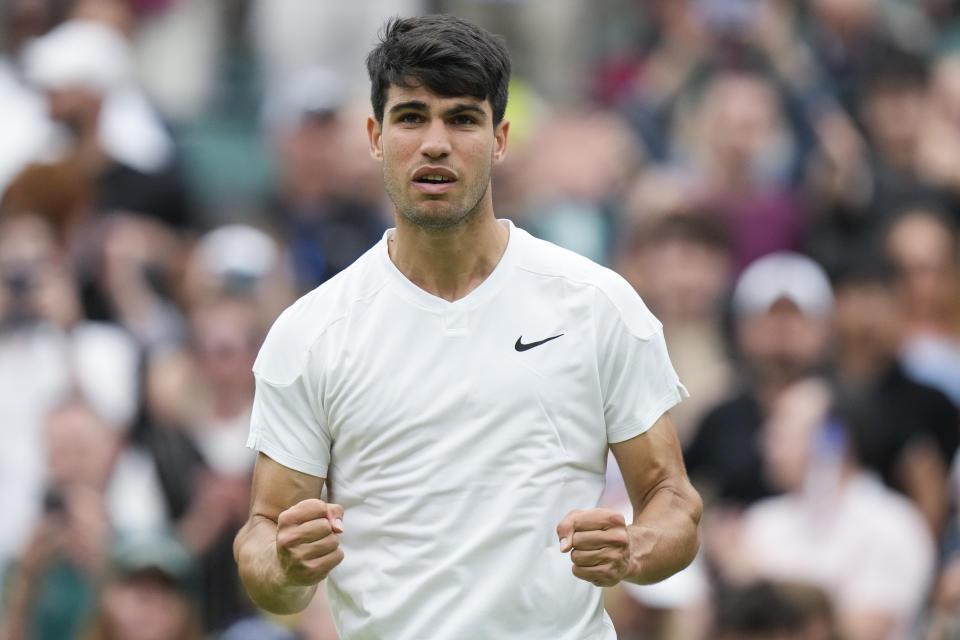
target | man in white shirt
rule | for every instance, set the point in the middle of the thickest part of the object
(457, 389)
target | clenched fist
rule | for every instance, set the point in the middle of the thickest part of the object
(307, 541)
(599, 545)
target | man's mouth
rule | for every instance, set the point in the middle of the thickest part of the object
(434, 178)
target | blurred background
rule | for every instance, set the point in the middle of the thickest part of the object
(779, 180)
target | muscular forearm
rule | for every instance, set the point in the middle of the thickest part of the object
(255, 550)
(663, 536)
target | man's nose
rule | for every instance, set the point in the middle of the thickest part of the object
(436, 140)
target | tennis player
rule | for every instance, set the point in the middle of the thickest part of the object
(457, 389)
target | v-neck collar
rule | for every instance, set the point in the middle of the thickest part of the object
(490, 285)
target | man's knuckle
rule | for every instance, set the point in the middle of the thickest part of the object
(615, 518)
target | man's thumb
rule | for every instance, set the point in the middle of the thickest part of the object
(565, 532)
(335, 516)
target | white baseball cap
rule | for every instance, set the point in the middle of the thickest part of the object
(79, 54)
(784, 274)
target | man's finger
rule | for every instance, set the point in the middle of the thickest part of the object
(591, 558)
(304, 511)
(318, 548)
(305, 533)
(598, 520)
(601, 576)
(599, 539)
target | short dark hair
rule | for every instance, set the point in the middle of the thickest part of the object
(448, 55)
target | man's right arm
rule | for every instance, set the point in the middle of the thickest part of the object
(290, 541)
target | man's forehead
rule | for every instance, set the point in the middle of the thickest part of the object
(397, 94)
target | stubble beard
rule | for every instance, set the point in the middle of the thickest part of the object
(437, 221)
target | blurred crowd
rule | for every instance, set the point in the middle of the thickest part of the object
(779, 180)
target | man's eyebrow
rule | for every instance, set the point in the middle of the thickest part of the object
(417, 105)
(409, 104)
(465, 107)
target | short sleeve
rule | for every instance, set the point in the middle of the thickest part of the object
(287, 422)
(637, 379)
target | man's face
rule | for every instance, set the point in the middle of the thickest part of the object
(783, 344)
(437, 154)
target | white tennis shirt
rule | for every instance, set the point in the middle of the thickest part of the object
(457, 435)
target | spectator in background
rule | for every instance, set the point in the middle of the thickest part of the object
(131, 271)
(848, 36)
(321, 210)
(681, 266)
(914, 430)
(781, 313)
(734, 140)
(836, 527)
(43, 332)
(301, 34)
(239, 260)
(24, 127)
(96, 486)
(85, 69)
(938, 153)
(925, 246)
(765, 610)
(148, 592)
(59, 193)
(894, 106)
(199, 407)
(646, 89)
(578, 166)
(125, 264)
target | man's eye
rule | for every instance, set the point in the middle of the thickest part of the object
(464, 120)
(411, 118)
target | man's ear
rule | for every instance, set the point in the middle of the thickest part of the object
(500, 140)
(374, 133)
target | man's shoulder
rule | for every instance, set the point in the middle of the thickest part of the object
(550, 260)
(301, 325)
(609, 290)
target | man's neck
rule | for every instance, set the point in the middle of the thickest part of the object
(453, 262)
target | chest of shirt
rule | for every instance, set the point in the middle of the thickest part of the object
(409, 391)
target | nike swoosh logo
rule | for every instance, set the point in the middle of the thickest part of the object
(530, 345)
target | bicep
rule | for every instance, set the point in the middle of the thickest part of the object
(277, 488)
(651, 461)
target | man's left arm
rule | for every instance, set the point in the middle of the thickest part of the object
(662, 539)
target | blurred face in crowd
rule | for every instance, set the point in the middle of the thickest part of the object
(682, 279)
(844, 15)
(34, 282)
(225, 342)
(145, 606)
(924, 249)
(308, 154)
(790, 431)
(893, 113)
(80, 447)
(437, 154)
(580, 156)
(77, 108)
(740, 118)
(783, 344)
(868, 323)
(945, 88)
